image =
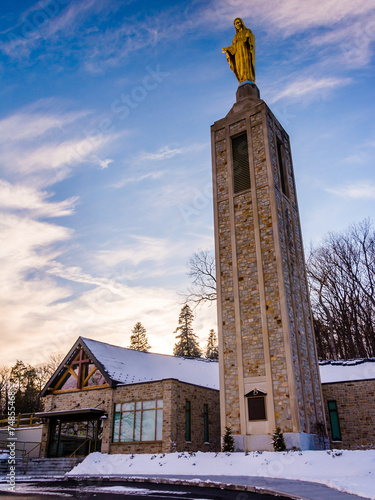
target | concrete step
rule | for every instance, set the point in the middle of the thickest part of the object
(40, 466)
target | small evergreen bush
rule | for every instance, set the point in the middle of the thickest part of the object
(228, 441)
(278, 440)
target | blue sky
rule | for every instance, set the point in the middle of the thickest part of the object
(105, 168)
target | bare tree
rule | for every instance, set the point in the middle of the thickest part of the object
(341, 274)
(201, 271)
(47, 369)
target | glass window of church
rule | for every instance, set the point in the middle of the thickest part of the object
(334, 420)
(138, 421)
(257, 407)
(188, 420)
(240, 155)
(79, 374)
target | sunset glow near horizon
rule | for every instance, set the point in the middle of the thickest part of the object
(105, 186)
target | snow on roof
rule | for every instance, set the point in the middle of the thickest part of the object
(128, 366)
(343, 371)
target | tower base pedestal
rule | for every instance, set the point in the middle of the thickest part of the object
(293, 440)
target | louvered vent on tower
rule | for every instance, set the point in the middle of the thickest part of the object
(241, 173)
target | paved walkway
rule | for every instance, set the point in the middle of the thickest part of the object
(304, 490)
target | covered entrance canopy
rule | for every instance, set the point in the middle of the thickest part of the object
(78, 430)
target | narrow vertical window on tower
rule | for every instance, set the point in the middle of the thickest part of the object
(240, 158)
(282, 169)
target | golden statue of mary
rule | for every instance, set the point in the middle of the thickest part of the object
(241, 54)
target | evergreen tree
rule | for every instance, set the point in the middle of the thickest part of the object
(212, 351)
(278, 440)
(228, 441)
(138, 339)
(187, 344)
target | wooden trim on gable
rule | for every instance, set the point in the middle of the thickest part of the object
(87, 388)
(58, 379)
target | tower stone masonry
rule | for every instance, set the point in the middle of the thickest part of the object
(269, 374)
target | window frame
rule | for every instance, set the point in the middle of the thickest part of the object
(140, 409)
(188, 421)
(336, 425)
(283, 174)
(206, 424)
(259, 395)
(234, 177)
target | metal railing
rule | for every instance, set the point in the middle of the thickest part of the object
(25, 453)
(26, 457)
(22, 420)
(73, 456)
(23, 449)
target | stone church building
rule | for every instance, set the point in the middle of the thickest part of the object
(117, 400)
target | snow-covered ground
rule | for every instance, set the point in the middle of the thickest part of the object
(349, 471)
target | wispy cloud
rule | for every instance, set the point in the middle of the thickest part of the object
(164, 153)
(38, 23)
(138, 178)
(143, 248)
(360, 190)
(32, 201)
(292, 15)
(77, 303)
(24, 125)
(309, 87)
(33, 142)
(358, 158)
(167, 152)
(99, 47)
(146, 158)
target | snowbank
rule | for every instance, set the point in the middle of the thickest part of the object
(349, 471)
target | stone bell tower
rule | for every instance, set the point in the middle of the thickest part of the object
(269, 374)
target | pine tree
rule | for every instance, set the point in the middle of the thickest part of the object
(278, 440)
(228, 441)
(138, 339)
(212, 351)
(187, 344)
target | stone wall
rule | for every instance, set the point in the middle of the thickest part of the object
(356, 410)
(198, 396)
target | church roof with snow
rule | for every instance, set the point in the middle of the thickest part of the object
(128, 366)
(347, 370)
(123, 366)
(109, 365)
